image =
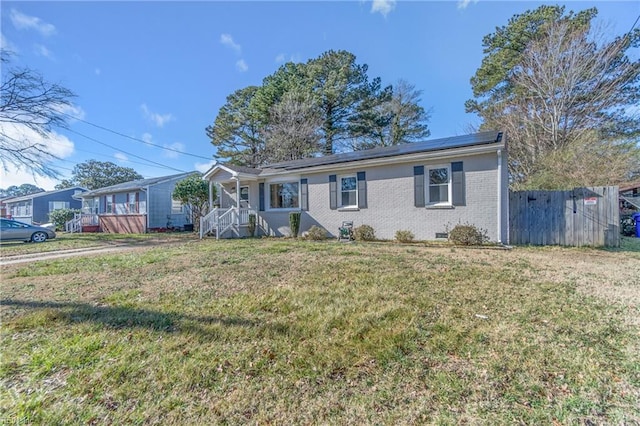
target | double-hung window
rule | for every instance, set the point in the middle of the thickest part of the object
(348, 191)
(132, 205)
(284, 195)
(439, 185)
(110, 204)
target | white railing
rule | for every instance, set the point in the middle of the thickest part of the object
(221, 220)
(79, 220)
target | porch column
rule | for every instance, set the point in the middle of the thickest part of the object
(211, 195)
(238, 204)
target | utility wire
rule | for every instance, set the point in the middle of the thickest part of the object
(136, 139)
(128, 153)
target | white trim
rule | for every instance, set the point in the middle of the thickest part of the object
(339, 179)
(427, 200)
(268, 207)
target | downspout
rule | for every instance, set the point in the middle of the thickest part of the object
(146, 207)
(499, 196)
(211, 195)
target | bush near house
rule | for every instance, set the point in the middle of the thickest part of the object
(364, 233)
(316, 233)
(61, 216)
(404, 236)
(468, 235)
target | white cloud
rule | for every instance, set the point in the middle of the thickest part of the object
(292, 58)
(242, 66)
(73, 112)
(22, 137)
(462, 4)
(26, 22)
(147, 137)
(5, 44)
(158, 119)
(121, 157)
(42, 50)
(97, 71)
(280, 58)
(384, 7)
(227, 40)
(203, 167)
(178, 146)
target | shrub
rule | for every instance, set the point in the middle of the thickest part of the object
(61, 216)
(364, 233)
(252, 225)
(316, 233)
(468, 235)
(294, 223)
(404, 236)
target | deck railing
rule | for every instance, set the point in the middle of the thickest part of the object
(220, 220)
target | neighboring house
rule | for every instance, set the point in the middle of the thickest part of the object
(425, 187)
(134, 207)
(3, 206)
(35, 208)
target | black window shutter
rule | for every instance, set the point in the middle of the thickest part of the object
(333, 192)
(457, 182)
(362, 190)
(304, 194)
(261, 196)
(418, 186)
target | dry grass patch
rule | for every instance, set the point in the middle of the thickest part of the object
(293, 332)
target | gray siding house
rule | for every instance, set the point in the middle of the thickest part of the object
(134, 207)
(425, 187)
(35, 208)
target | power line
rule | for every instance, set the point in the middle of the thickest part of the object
(136, 139)
(128, 153)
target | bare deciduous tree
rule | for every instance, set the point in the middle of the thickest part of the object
(567, 88)
(30, 108)
(293, 132)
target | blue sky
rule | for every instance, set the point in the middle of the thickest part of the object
(159, 71)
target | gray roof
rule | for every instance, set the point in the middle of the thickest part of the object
(41, 194)
(243, 169)
(134, 185)
(393, 151)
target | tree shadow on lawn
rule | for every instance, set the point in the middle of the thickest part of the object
(121, 317)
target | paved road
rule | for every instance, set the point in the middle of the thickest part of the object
(24, 258)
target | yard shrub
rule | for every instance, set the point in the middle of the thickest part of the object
(316, 233)
(61, 216)
(294, 223)
(252, 225)
(468, 235)
(404, 236)
(364, 233)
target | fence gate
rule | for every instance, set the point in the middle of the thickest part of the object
(580, 217)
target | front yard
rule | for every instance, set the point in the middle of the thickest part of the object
(292, 332)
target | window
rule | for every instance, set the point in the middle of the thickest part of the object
(109, 204)
(132, 205)
(284, 195)
(58, 205)
(348, 191)
(439, 186)
(176, 206)
(244, 193)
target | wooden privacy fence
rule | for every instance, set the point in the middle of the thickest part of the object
(580, 217)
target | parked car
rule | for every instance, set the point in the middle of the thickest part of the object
(12, 230)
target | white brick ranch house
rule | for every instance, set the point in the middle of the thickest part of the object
(425, 187)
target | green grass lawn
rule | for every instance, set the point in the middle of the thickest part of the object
(277, 331)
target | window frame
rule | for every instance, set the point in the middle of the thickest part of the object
(282, 182)
(427, 186)
(341, 191)
(131, 202)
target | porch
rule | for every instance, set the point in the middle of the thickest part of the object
(222, 220)
(83, 222)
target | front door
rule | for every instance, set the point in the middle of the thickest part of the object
(244, 197)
